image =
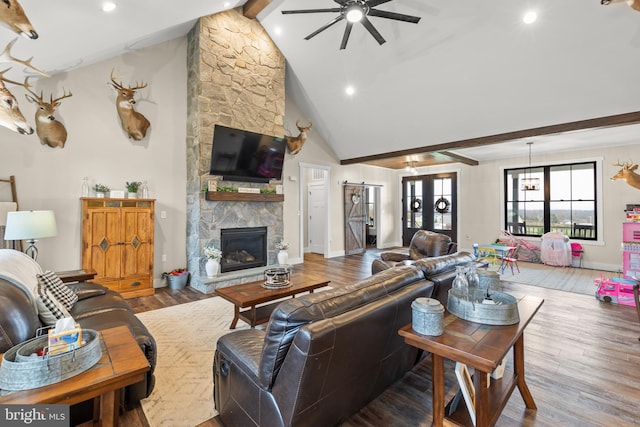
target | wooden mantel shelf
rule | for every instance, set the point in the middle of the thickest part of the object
(223, 196)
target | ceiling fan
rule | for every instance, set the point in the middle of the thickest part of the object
(356, 11)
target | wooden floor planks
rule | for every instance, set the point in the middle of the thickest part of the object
(582, 359)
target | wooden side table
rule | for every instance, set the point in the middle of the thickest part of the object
(483, 347)
(122, 363)
(76, 275)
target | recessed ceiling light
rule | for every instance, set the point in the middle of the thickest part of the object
(350, 90)
(227, 4)
(530, 17)
(277, 30)
(108, 6)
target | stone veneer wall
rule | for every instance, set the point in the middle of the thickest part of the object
(235, 79)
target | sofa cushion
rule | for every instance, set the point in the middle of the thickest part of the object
(436, 265)
(292, 314)
(58, 289)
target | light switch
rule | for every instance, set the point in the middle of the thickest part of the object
(163, 214)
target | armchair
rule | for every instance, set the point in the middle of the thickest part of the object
(424, 244)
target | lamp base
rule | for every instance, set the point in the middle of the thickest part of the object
(31, 250)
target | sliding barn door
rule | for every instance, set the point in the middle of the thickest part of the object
(354, 219)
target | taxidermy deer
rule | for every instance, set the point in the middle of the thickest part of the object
(50, 131)
(10, 115)
(635, 4)
(295, 143)
(133, 123)
(628, 174)
(13, 16)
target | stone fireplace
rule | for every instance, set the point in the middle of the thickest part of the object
(243, 248)
(236, 78)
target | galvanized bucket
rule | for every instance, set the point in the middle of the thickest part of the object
(501, 309)
(21, 371)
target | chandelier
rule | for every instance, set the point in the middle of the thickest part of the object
(528, 183)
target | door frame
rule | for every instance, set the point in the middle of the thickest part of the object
(430, 172)
(302, 209)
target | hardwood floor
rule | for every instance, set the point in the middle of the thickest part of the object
(582, 359)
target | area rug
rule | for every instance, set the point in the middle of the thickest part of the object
(186, 337)
(569, 279)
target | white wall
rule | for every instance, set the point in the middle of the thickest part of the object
(96, 147)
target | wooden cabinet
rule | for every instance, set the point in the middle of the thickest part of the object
(117, 242)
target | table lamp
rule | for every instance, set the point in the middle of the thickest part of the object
(30, 226)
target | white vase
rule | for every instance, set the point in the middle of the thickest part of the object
(132, 195)
(212, 267)
(283, 257)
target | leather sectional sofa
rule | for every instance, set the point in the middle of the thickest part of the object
(97, 308)
(322, 357)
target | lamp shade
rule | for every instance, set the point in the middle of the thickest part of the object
(30, 225)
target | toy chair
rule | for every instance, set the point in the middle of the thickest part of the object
(510, 259)
(576, 253)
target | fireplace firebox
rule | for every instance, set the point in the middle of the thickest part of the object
(243, 248)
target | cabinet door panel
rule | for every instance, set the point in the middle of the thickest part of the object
(137, 242)
(104, 243)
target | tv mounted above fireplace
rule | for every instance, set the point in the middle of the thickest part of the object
(240, 155)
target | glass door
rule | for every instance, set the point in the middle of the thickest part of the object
(429, 203)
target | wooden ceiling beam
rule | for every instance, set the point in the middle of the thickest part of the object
(252, 8)
(460, 159)
(600, 122)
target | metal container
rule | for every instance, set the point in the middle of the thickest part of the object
(427, 316)
(278, 277)
(500, 309)
(21, 371)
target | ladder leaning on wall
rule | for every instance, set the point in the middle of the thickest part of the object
(14, 199)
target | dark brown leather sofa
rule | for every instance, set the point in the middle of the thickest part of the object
(97, 308)
(322, 356)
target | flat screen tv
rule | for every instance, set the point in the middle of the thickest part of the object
(240, 155)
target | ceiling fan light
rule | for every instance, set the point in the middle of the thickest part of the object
(354, 13)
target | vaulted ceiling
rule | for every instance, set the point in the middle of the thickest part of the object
(469, 82)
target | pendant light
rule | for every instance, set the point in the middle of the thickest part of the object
(528, 183)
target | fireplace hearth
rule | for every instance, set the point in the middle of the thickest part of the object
(243, 248)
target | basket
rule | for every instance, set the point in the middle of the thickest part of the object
(21, 371)
(504, 310)
(276, 278)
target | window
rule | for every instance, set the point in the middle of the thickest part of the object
(564, 201)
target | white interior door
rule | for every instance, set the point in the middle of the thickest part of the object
(316, 218)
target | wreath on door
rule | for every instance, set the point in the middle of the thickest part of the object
(416, 205)
(442, 205)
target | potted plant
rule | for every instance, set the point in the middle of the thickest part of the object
(212, 266)
(283, 255)
(132, 189)
(177, 278)
(101, 190)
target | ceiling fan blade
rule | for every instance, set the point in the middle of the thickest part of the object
(345, 37)
(288, 12)
(393, 15)
(340, 2)
(369, 26)
(324, 27)
(374, 3)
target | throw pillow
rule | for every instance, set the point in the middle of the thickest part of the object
(49, 309)
(58, 289)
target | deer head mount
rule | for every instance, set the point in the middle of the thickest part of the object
(50, 131)
(628, 174)
(133, 123)
(13, 16)
(10, 115)
(634, 4)
(295, 143)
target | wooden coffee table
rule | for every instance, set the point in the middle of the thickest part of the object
(482, 347)
(122, 363)
(252, 294)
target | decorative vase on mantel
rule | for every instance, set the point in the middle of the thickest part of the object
(283, 257)
(212, 267)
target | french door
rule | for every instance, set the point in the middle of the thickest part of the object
(429, 203)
